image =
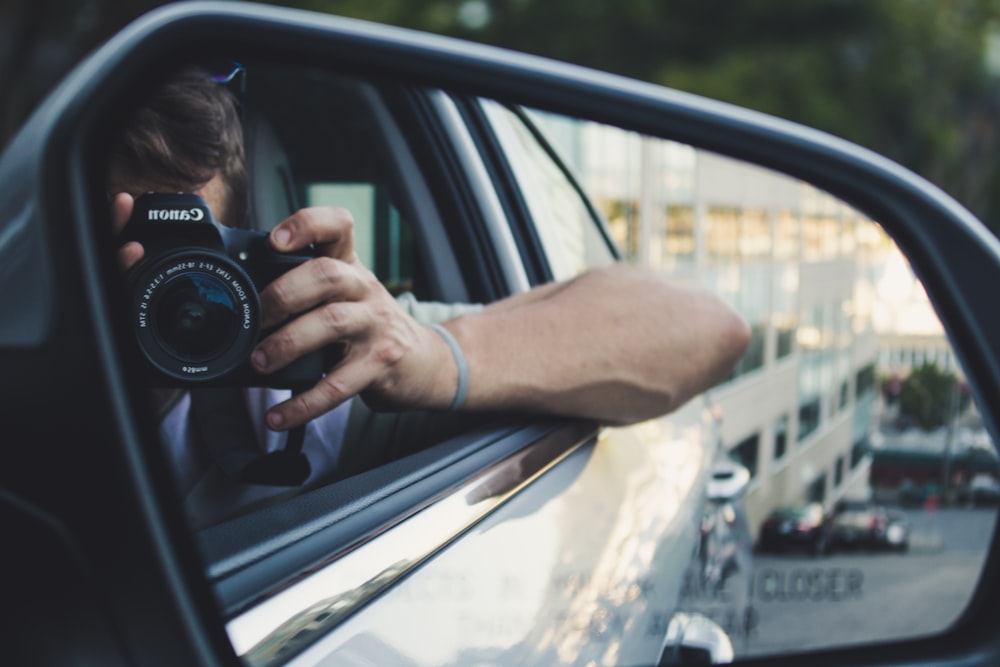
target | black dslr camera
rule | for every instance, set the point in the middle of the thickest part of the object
(193, 297)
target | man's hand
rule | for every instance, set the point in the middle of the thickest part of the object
(390, 359)
(121, 209)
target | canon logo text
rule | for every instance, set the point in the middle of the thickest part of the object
(181, 214)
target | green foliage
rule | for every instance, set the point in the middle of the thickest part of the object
(929, 396)
(916, 80)
(908, 78)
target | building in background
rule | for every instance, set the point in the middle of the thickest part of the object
(910, 333)
(799, 411)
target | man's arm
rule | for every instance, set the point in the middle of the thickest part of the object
(617, 345)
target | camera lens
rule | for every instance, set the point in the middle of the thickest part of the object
(195, 314)
(196, 318)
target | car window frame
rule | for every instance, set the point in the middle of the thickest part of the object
(514, 200)
(455, 177)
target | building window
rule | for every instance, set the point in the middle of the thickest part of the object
(786, 237)
(746, 452)
(808, 418)
(858, 452)
(623, 221)
(816, 491)
(755, 235)
(820, 238)
(753, 358)
(783, 317)
(678, 244)
(864, 380)
(722, 234)
(780, 436)
(754, 303)
(838, 472)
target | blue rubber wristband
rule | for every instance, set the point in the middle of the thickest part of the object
(463, 368)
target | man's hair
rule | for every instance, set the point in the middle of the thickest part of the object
(186, 133)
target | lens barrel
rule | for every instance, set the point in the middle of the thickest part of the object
(195, 314)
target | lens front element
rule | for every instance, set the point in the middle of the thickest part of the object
(196, 318)
(195, 314)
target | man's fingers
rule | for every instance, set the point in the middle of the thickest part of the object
(339, 321)
(316, 282)
(129, 254)
(344, 382)
(330, 228)
(121, 210)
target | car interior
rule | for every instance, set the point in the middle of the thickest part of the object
(286, 117)
(388, 183)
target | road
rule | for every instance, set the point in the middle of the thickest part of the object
(795, 602)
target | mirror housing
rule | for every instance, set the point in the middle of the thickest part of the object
(695, 639)
(59, 271)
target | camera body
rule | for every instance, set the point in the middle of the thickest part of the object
(193, 298)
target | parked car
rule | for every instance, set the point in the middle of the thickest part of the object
(802, 528)
(868, 525)
(980, 490)
(524, 541)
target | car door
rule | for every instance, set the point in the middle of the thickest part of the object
(571, 491)
(521, 542)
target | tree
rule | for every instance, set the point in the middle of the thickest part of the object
(929, 396)
(41, 40)
(915, 80)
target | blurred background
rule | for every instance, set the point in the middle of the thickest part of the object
(916, 80)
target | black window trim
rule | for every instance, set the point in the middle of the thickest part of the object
(446, 174)
(525, 235)
(441, 266)
(507, 186)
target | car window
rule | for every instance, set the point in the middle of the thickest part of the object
(312, 140)
(869, 465)
(566, 226)
(383, 238)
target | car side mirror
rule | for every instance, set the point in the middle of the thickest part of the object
(60, 280)
(728, 481)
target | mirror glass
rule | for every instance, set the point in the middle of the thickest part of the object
(852, 498)
(873, 483)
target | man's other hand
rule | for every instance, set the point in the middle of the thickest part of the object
(390, 359)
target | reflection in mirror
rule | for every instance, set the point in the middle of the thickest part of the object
(874, 483)
(851, 469)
